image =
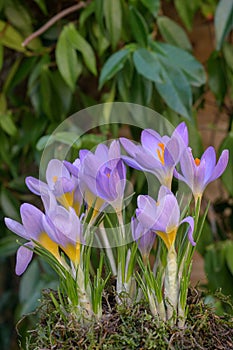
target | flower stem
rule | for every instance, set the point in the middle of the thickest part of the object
(171, 283)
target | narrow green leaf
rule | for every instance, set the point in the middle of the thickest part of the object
(42, 6)
(173, 33)
(182, 60)
(175, 90)
(228, 54)
(223, 21)
(113, 19)
(1, 56)
(99, 13)
(138, 25)
(10, 37)
(113, 65)
(229, 255)
(80, 44)
(147, 64)
(9, 204)
(67, 60)
(187, 10)
(152, 5)
(216, 77)
(7, 124)
(18, 16)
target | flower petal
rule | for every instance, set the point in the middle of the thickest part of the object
(16, 227)
(221, 165)
(23, 258)
(32, 220)
(36, 186)
(190, 221)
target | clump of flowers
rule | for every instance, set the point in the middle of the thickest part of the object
(84, 210)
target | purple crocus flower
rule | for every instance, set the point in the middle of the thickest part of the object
(31, 229)
(102, 176)
(145, 238)
(62, 184)
(63, 226)
(157, 154)
(198, 173)
(163, 216)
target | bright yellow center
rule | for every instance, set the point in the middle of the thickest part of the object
(48, 244)
(168, 237)
(197, 161)
(73, 252)
(160, 152)
(66, 199)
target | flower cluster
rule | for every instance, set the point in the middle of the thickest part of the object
(75, 197)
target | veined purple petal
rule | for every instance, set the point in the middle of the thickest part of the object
(73, 168)
(32, 220)
(190, 221)
(49, 201)
(130, 147)
(172, 152)
(132, 163)
(114, 150)
(17, 228)
(187, 166)
(83, 153)
(169, 213)
(55, 170)
(101, 153)
(181, 133)
(150, 140)
(36, 186)
(221, 165)
(199, 178)
(144, 238)
(23, 258)
(147, 213)
(209, 158)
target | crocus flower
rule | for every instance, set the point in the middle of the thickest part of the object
(157, 154)
(145, 238)
(163, 216)
(31, 229)
(102, 176)
(198, 173)
(62, 184)
(63, 226)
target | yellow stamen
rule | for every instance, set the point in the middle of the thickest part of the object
(48, 244)
(108, 175)
(160, 152)
(197, 161)
(168, 237)
(55, 178)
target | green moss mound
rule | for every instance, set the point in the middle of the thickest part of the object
(131, 328)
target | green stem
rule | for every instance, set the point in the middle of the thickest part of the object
(171, 283)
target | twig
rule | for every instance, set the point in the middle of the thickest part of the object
(53, 20)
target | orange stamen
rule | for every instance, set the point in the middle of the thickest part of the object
(160, 152)
(108, 175)
(55, 178)
(197, 161)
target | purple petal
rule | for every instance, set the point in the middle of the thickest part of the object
(147, 213)
(83, 153)
(16, 227)
(150, 140)
(36, 186)
(55, 170)
(73, 168)
(114, 150)
(132, 163)
(130, 147)
(187, 167)
(190, 221)
(172, 152)
(32, 220)
(209, 157)
(23, 258)
(221, 165)
(181, 133)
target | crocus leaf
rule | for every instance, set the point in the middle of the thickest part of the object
(173, 33)
(229, 255)
(10, 37)
(186, 10)
(182, 60)
(147, 64)
(139, 28)
(223, 21)
(1, 56)
(227, 176)
(228, 54)
(9, 204)
(113, 19)
(7, 124)
(80, 44)
(113, 65)
(67, 60)
(42, 6)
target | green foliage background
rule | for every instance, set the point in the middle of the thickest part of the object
(100, 51)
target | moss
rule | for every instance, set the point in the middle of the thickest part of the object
(132, 328)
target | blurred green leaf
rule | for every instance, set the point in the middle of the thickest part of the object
(152, 5)
(7, 124)
(175, 90)
(42, 6)
(182, 60)
(80, 44)
(227, 176)
(113, 19)
(229, 255)
(10, 37)
(99, 13)
(216, 77)
(66, 58)
(223, 21)
(18, 16)
(138, 25)
(8, 245)
(187, 10)
(147, 64)
(113, 65)
(9, 204)
(228, 54)
(173, 33)
(1, 56)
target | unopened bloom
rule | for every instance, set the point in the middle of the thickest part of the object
(198, 173)
(157, 154)
(31, 229)
(145, 238)
(60, 182)
(163, 216)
